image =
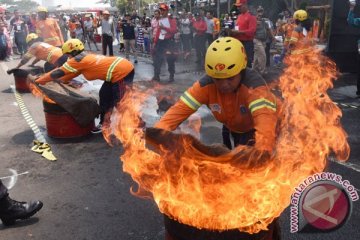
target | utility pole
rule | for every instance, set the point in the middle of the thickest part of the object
(218, 9)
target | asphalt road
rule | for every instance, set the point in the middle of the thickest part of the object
(86, 194)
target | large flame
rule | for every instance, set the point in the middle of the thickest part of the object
(243, 189)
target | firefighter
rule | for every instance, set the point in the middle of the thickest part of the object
(114, 71)
(301, 37)
(237, 96)
(48, 28)
(53, 56)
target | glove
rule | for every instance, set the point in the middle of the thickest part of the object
(10, 71)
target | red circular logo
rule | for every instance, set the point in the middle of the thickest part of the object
(219, 67)
(326, 206)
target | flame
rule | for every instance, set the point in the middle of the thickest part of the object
(243, 189)
(38, 93)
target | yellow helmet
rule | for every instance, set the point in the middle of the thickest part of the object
(300, 15)
(42, 9)
(72, 45)
(31, 37)
(225, 58)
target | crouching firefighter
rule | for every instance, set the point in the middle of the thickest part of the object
(237, 96)
(116, 72)
(40, 50)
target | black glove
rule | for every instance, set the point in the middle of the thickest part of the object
(10, 71)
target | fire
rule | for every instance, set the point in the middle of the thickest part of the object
(243, 189)
(38, 93)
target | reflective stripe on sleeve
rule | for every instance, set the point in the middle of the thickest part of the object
(190, 101)
(111, 68)
(50, 54)
(261, 103)
(70, 69)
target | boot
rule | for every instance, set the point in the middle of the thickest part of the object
(171, 78)
(156, 78)
(11, 210)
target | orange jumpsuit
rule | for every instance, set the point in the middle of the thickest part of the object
(252, 106)
(299, 42)
(93, 67)
(43, 51)
(50, 31)
(287, 28)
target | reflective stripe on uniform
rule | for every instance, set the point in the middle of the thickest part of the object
(70, 69)
(190, 101)
(261, 103)
(301, 51)
(294, 39)
(50, 54)
(111, 68)
(51, 39)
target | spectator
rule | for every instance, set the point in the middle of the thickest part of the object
(89, 31)
(107, 27)
(200, 27)
(128, 29)
(155, 24)
(261, 35)
(3, 43)
(63, 26)
(163, 44)
(245, 29)
(20, 28)
(147, 35)
(185, 36)
(32, 23)
(209, 28)
(140, 35)
(79, 32)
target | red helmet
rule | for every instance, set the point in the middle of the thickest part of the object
(163, 6)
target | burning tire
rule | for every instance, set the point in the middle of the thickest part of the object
(20, 76)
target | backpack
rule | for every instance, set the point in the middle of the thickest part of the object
(261, 30)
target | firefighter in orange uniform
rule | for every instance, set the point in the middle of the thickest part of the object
(53, 56)
(115, 71)
(237, 96)
(48, 28)
(301, 37)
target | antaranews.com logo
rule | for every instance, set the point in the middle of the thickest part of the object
(322, 201)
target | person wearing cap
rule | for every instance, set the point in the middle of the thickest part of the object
(116, 72)
(355, 21)
(263, 32)
(40, 50)
(107, 28)
(48, 28)
(163, 42)
(245, 28)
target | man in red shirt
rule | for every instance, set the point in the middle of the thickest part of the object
(199, 25)
(164, 43)
(245, 28)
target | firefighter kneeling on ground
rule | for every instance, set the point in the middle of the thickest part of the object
(237, 96)
(53, 56)
(116, 72)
